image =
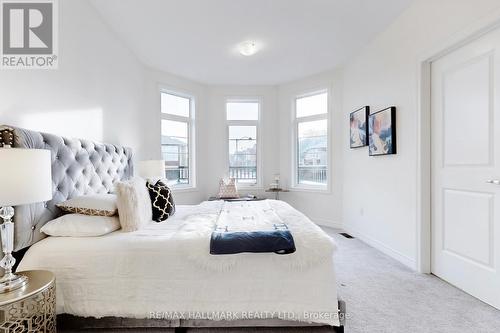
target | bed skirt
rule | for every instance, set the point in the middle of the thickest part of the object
(70, 322)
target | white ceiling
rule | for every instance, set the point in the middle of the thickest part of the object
(197, 39)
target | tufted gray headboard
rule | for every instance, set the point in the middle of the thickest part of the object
(79, 167)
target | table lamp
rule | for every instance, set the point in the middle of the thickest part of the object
(25, 178)
(151, 169)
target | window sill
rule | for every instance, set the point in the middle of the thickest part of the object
(249, 188)
(319, 190)
(183, 189)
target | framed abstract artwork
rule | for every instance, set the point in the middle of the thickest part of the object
(359, 127)
(382, 132)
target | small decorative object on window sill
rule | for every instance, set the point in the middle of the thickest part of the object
(227, 189)
(276, 184)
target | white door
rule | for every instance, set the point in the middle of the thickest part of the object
(466, 168)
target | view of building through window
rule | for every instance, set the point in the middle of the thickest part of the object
(243, 153)
(175, 130)
(312, 139)
(242, 120)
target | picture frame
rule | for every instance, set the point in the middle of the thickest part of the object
(382, 132)
(358, 121)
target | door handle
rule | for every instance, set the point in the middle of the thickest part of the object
(493, 181)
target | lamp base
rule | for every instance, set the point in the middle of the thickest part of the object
(9, 281)
(12, 282)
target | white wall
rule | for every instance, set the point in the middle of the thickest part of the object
(96, 93)
(323, 208)
(379, 193)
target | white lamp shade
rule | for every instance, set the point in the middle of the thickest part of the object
(152, 169)
(25, 176)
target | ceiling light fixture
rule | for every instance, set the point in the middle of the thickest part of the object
(248, 48)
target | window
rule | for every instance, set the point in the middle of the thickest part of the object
(176, 138)
(243, 122)
(311, 140)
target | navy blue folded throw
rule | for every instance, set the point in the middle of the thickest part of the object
(228, 242)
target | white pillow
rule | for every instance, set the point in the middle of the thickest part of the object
(79, 225)
(95, 205)
(134, 204)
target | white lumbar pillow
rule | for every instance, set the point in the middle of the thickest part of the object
(79, 225)
(95, 204)
(134, 204)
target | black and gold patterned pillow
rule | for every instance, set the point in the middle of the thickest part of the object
(162, 201)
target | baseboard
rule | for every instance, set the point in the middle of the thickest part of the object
(327, 223)
(402, 258)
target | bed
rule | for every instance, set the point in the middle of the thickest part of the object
(154, 277)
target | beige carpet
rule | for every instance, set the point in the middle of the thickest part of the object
(382, 295)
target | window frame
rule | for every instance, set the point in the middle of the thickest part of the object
(257, 123)
(296, 186)
(191, 126)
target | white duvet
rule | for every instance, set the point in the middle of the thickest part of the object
(165, 270)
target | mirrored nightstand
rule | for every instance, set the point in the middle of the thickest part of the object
(31, 308)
